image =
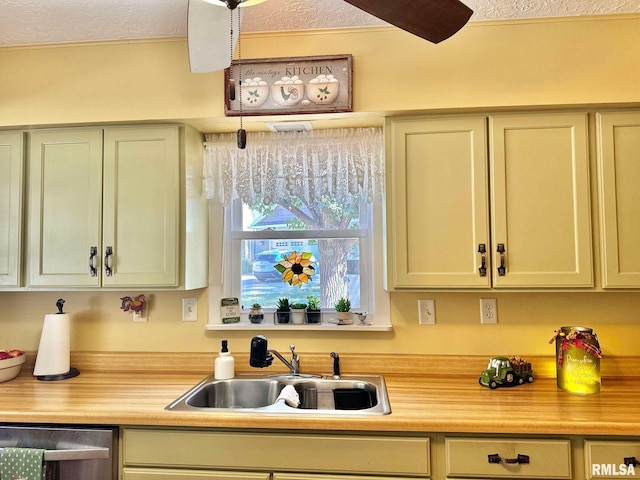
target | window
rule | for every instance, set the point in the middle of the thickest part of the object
(326, 207)
(260, 237)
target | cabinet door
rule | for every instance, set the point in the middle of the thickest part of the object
(11, 184)
(437, 202)
(619, 171)
(65, 194)
(141, 206)
(540, 200)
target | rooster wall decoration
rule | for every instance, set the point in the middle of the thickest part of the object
(135, 306)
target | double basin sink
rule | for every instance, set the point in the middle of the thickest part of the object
(350, 395)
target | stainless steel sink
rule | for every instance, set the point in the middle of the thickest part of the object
(351, 395)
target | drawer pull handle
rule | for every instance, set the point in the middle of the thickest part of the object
(520, 459)
(482, 250)
(631, 461)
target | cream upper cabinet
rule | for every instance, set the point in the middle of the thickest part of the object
(619, 171)
(141, 196)
(11, 188)
(65, 201)
(107, 209)
(540, 201)
(444, 183)
(437, 202)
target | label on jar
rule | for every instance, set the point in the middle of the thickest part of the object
(580, 372)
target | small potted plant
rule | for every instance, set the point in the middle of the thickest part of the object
(297, 312)
(256, 314)
(313, 309)
(342, 308)
(283, 310)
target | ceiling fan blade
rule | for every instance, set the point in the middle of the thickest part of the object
(208, 35)
(433, 20)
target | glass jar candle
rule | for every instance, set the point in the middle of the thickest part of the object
(578, 357)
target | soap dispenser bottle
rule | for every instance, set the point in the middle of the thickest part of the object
(224, 367)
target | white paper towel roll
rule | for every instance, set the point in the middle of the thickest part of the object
(54, 350)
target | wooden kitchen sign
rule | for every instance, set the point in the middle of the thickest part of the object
(291, 85)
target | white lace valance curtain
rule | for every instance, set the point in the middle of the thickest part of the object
(310, 165)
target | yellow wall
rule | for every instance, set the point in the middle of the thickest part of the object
(486, 65)
(501, 65)
(526, 323)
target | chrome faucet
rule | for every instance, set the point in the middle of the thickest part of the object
(261, 356)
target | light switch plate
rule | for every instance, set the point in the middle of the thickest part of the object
(189, 309)
(427, 311)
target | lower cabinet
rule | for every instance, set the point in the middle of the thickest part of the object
(189, 454)
(149, 453)
(181, 474)
(507, 458)
(611, 459)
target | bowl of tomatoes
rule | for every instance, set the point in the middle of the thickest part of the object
(10, 364)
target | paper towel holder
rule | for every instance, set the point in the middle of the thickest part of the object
(52, 361)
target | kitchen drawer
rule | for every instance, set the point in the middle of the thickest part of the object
(605, 459)
(173, 474)
(469, 457)
(306, 476)
(270, 452)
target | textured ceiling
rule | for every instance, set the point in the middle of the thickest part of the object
(28, 22)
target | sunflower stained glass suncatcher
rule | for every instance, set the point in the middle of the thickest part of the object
(297, 268)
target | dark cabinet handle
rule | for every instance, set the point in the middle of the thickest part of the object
(482, 250)
(93, 271)
(502, 270)
(108, 269)
(631, 461)
(520, 459)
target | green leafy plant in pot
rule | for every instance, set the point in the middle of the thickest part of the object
(297, 312)
(256, 314)
(313, 309)
(283, 310)
(342, 308)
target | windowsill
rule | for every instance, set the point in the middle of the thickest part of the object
(356, 326)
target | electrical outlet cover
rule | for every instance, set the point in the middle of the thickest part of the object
(488, 310)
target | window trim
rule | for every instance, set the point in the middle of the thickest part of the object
(219, 266)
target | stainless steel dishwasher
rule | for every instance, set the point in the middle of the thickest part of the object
(72, 452)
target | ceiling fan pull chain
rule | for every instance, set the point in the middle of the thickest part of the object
(242, 133)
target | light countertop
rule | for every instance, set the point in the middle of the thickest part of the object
(134, 390)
